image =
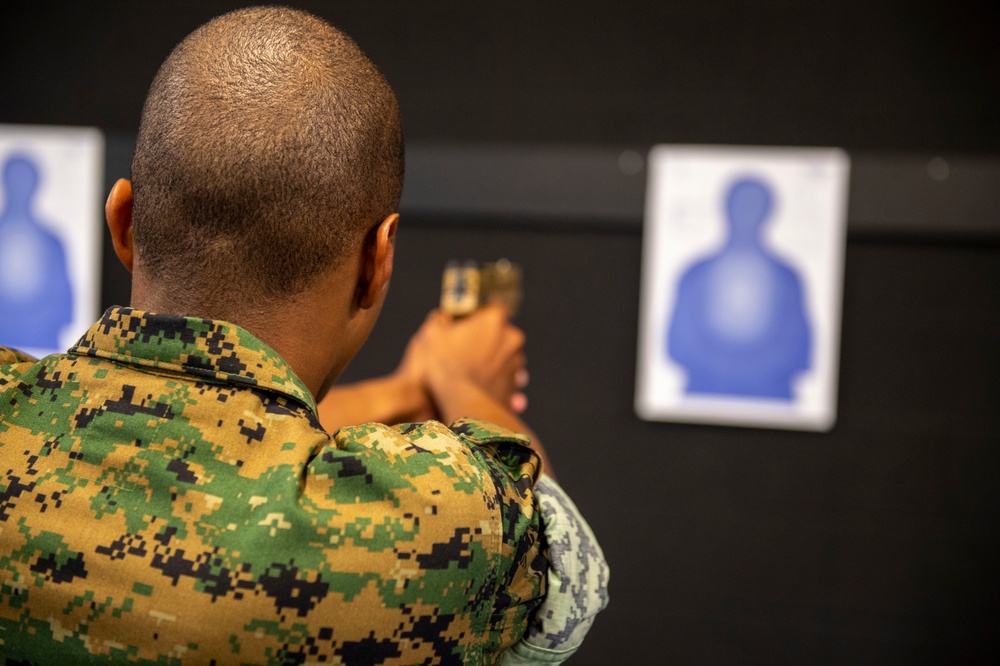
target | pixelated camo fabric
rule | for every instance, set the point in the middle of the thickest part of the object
(168, 496)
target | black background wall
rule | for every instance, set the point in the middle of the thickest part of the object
(876, 542)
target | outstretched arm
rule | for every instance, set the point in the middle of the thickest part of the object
(452, 368)
(391, 399)
(400, 397)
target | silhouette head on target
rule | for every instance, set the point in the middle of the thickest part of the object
(20, 180)
(748, 206)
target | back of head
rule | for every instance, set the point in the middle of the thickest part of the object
(269, 145)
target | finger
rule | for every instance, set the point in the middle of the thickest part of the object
(517, 336)
(437, 321)
(494, 307)
(493, 312)
(440, 317)
(509, 376)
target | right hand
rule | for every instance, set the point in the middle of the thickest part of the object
(484, 348)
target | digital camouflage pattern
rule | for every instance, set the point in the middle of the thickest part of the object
(168, 496)
(577, 583)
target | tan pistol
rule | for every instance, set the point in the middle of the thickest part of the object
(466, 287)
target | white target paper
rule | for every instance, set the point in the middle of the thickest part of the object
(741, 286)
(51, 182)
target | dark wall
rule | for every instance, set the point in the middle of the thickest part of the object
(882, 75)
(876, 542)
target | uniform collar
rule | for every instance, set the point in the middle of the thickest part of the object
(206, 348)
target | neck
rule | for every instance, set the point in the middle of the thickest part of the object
(743, 239)
(15, 212)
(315, 331)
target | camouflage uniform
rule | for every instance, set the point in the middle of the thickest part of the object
(169, 496)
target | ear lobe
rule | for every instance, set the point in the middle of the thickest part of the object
(118, 211)
(379, 249)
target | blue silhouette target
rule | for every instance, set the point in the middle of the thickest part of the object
(36, 301)
(739, 326)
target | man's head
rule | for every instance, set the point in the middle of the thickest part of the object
(269, 146)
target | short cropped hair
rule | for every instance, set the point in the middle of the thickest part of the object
(269, 145)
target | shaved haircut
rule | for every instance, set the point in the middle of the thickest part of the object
(269, 145)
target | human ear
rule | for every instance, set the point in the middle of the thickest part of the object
(379, 247)
(118, 211)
